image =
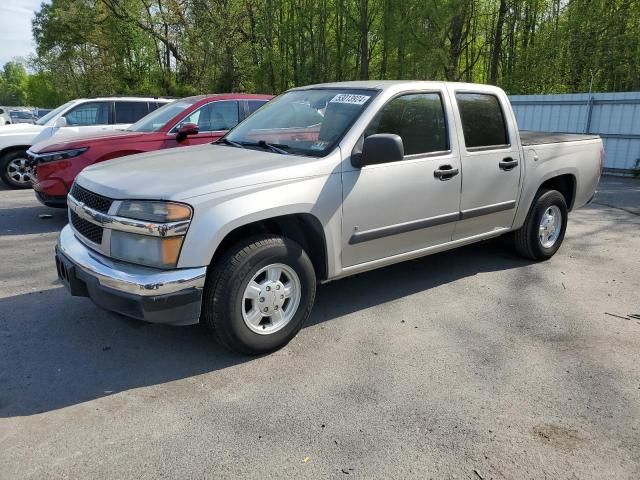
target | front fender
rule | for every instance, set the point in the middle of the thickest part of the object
(216, 215)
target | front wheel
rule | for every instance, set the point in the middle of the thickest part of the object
(258, 295)
(543, 231)
(14, 169)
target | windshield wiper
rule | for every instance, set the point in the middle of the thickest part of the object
(226, 141)
(274, 147)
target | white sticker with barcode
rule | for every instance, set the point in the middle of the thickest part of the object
(350, 98)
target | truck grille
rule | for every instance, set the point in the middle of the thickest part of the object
(90, 199)
(88, 230)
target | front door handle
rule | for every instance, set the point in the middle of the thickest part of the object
(445, 172)
(507, 164)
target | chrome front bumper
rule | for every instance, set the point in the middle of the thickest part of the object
(159, 296)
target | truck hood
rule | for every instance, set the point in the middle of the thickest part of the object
(185, 172)
(65, 141)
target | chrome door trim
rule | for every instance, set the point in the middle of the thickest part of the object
(375, 233)
(488, 209)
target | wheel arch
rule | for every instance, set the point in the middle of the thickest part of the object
(303, 228)
(565, 184)
(12, 148)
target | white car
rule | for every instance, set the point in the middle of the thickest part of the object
(5, 119)
(81, 116)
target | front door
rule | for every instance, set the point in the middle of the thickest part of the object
(214, 119)
(490, 157)
(398, 207)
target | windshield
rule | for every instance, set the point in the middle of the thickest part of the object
(306, 122)
(54, 113)
(159, 118)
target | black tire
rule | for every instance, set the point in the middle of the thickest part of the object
(226, 282)
(527, 240)
(5, 161)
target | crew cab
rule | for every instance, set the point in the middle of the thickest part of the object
(190, 121)
(80, 116)
(323, 182)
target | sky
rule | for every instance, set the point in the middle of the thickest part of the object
(15, 28)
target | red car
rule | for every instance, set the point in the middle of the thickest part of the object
(189, 121)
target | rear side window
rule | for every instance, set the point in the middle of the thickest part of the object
(90, 113)
(130, 112)
(418, 119)
(483, 121)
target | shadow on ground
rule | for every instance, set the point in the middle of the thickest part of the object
(57, 351)
(26, 220)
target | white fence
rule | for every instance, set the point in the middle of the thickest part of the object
(613, 116)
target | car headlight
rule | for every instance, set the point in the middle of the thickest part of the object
(60, 155)
(159, 250)
(153, 211)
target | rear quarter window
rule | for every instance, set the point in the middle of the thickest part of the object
(483, 122)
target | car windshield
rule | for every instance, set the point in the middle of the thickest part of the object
(305, 122)
(54, 113)
(159, 118)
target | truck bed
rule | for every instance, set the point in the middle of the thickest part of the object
(529, 137)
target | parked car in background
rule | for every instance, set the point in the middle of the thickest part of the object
(83, 115)
(41, 112)
(22, 116)
(323, 182)
(189, 121)
(5, 118)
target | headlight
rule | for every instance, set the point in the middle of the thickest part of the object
(159, 252)
(152, 211)
(53, 156)
(152, 250)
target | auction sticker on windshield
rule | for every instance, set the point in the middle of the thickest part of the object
(350, 98)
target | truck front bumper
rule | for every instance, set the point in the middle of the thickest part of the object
(160, 296)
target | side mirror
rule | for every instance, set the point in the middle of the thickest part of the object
(378, 148)
(60, 122)
(187, 129)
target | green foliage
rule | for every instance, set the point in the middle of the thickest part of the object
(182, 47)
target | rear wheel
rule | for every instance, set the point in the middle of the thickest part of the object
(259, 294)
(543, 231)
(14, 169)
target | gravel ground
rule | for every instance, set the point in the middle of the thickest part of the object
(472, 364)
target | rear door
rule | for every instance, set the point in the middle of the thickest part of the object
(399, 207)
(490, 157)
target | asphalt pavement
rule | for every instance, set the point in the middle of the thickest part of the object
(470, 364)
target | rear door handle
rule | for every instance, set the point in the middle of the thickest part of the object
(445, 172)
(507, 164)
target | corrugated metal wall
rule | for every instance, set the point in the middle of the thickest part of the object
(614, 116)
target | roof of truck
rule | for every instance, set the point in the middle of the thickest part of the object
(383, 84)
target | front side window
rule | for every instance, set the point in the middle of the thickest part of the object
(483, 122)
(306, 122)
(418, 119)
(130, 112)
(160, 117)
(214, 116)
(255, 105)
(91, 113)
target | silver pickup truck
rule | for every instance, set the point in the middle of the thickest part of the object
(322, 182)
